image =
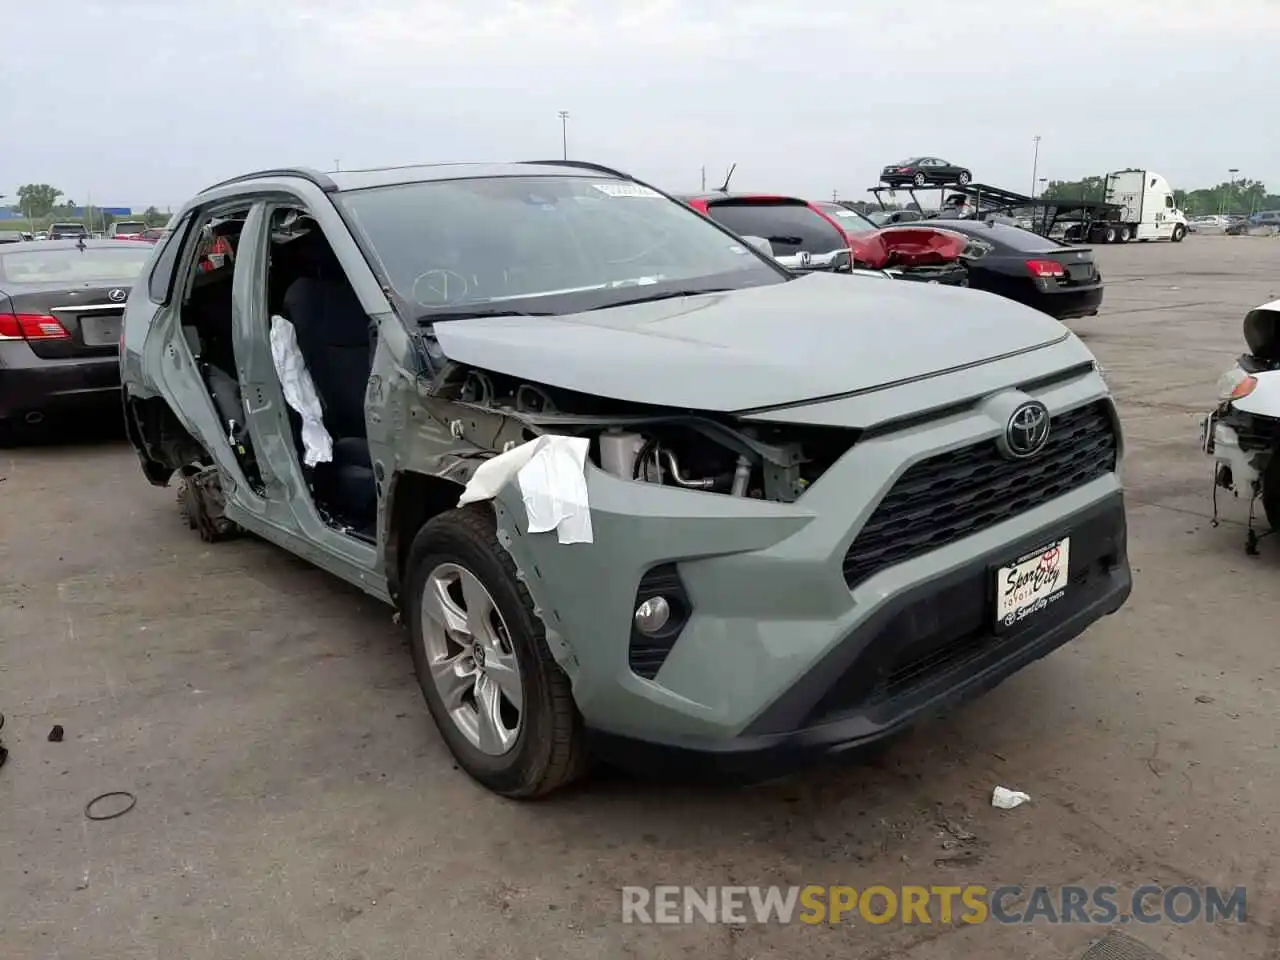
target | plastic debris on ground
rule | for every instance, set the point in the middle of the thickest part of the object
(551, 474)
(1007, 799)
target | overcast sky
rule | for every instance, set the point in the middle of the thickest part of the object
(146, 101)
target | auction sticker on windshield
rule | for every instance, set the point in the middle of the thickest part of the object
(1032, 582)
(627, 190)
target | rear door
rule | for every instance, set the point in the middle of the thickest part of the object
(68, 302)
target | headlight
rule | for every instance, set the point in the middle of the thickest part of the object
(1244, 388)
(1232, 380)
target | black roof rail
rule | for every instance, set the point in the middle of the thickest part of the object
(321, 180)
(581, 165)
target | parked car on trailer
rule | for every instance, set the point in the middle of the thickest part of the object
(637, 490)
(61, 306)
(1058, 279)
(922, 171)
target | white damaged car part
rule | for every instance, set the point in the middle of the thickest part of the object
(1242, 433)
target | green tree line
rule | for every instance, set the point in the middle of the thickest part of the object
(43, 202)
(1239, 197)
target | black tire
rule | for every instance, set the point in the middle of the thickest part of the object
(1178, 233)
(1271, 491)
(548, 753)
(1124, 235)
(963, 179)
(919, 179)
(1109, 235)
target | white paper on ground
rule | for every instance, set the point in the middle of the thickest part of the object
(300, 392)
(1008, 799)
(550, 472)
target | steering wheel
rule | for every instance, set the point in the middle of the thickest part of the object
(440, 287)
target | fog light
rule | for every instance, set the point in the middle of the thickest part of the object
(652, 615)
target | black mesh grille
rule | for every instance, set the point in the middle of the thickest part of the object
(956, 494)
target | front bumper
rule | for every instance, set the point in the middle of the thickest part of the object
(929, 648)
(31, 384)
(772, 609)
(1241, 446)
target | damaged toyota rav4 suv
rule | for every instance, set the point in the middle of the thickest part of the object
(637, 490)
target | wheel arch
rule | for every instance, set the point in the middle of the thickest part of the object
(412, 499)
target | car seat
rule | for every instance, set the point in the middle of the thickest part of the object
(334, 338)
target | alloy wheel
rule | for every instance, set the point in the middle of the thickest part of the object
(471, 659)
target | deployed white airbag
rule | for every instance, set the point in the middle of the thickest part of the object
(551, 474)
(300, 392)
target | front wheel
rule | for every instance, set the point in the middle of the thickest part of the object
(1178, 233)
(502, 704)
(963, 179)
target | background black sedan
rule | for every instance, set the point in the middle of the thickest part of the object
(61, 303)
(922, 171)
(1060, 280)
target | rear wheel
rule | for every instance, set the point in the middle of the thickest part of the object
(1124, 234)
(502, 704)
(918, 179)
(1109, 235)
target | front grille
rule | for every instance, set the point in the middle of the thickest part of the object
(954, 495)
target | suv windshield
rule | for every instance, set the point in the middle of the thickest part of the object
(542, 244)
(116, 263)
(790, 226)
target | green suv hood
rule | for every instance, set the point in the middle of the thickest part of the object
(821, 335)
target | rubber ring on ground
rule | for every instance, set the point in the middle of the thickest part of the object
(88, 807)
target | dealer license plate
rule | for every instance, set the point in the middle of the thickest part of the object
(1032, 583)
(100, 331)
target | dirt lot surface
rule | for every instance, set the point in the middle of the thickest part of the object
(293, 799)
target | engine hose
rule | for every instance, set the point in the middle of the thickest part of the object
(649, 445)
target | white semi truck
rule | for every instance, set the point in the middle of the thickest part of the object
(1136, 205)
(1145, 208)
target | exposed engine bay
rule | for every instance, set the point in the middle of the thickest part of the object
(695, 451)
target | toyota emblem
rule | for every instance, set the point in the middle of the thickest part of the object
(118, 295)
(1027, 431)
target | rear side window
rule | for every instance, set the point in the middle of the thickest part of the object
(160, 285)
(789, 227)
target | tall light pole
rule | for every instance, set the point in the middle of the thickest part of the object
(1231, 186)
(1035, 163)
(564, 132)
